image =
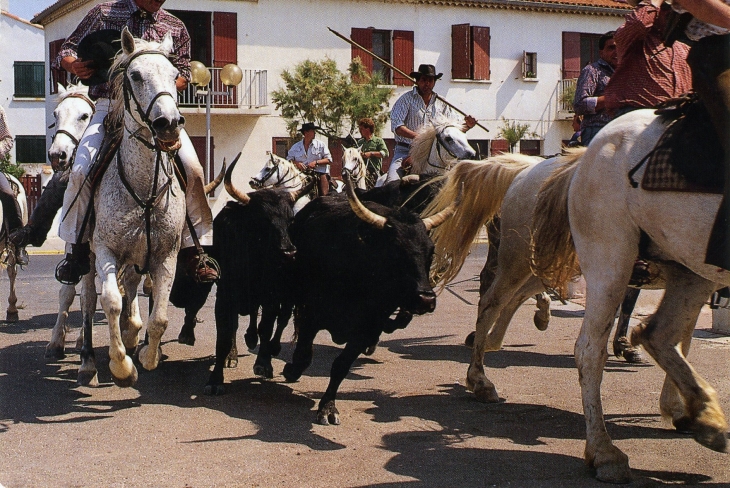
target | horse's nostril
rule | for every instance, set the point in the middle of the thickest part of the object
(181, 121)
(160, 124)
(62, 156)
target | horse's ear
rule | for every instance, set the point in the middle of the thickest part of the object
(271, 155)
(166, 46)
(127, 41)
(61, 89)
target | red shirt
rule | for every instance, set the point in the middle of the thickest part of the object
(648, 72)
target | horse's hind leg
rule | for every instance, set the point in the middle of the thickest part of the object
(56, 347)
(621, 345)
(87, 375)
(12, 313)
(685, 295)
(542, 314)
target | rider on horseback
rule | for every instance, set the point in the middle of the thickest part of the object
(313, 156)
(11, 210)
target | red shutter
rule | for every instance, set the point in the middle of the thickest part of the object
(402, 56)
(199, 146)
(225, 39)
(498, 146)
(364, 37)
(480, 52)
(460, 51)
(57, 75)
(571, 55)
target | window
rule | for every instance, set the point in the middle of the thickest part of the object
(529, 65)
(30, 149)
(579, 49)
(530, 147)
(280, 146)
(213, 36)
(57, 75)
(470, 52)
(498, 146)
(29, 79)
(396, 47)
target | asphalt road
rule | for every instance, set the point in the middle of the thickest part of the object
(407, 419)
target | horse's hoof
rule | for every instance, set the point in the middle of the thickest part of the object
(231, 362)
(149, 360)
(263, 371)
(12, 317)
(251, 340)
(290, 374)
(370, 350)
(683, 425)
(618, 473)
(710, 438)
(127, 382)
(187, 339)
(328, 414)
(486, 395)
(214, 390)
(631, 354)
(88, 378)
(469, 341)
(55, 353)
(540, 323)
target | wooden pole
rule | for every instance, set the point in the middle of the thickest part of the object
(406, 75)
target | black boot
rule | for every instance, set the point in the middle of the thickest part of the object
(75, 265)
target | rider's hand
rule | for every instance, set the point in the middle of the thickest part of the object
(299, 166)
(406, 163)
(312, 165)
(469, 122)
(83, 69)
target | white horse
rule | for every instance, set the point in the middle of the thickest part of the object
(593, 206)
(72, 115)
(139, 206)
(353, 164)
(7, 249)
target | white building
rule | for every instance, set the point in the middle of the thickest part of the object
(22, 92)
(501, 59)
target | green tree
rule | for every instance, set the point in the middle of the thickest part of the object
(513, 132)
(316, 91)
(6, 166)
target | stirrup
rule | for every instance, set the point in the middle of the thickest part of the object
(205, 270)
(70, 271)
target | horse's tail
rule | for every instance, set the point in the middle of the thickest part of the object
(484, 184)
(554, 259)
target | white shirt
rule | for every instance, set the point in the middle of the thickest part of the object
(411, 111)
(317, 150)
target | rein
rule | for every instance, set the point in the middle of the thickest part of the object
(280, 179)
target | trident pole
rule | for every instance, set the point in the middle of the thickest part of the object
(406, 75)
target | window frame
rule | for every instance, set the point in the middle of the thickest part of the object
(24, 147)
(529, 65)
(470, 52)
(36, 85)
(401, 52)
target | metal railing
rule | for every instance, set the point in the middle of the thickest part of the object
(566, 91)
(250, 93)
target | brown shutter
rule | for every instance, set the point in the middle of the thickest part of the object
(364, 37)
(57, 75)
(571, 55)
(460, 51)
(225, 39)
(402, 56)
(498, 146)
(199, 146)
(480, 52)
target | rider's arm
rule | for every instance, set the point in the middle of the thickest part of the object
(714, 12)
(77, 67)
(404, 131)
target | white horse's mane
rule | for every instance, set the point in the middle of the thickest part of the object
(79, 88)
(422, 143)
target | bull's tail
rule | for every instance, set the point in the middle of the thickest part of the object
(484, 184)
(554, 259)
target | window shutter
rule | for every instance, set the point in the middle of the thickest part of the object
(364, 37)
(402, 56)
(57, 75)
(571, 55)
(225, 39)
(499, 146)
(460, 51)
(29, 78)
(480, 49)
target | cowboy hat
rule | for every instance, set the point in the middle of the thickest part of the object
(100, 47)
(426, 70)
(308, 126)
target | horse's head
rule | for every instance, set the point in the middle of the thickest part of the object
(72, 115)
(147, 80)
(438, 145)
(353, 164)
(276, 172)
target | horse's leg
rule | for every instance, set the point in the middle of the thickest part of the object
(621, 345)
(486, 276)
(56, 347)
(87, 375)
(121, 366)
(131, 321)
(685, 295)
(12, 312)
(163, 275)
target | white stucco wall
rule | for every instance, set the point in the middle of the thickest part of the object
(20, 41)
(274, 35)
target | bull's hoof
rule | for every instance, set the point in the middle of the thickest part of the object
(469, 341)
(55, 352)
(127, 382)
(214, 390)
(370, 350)
(88, 378)
(263, 370)
(328, 414)
(12, 317)
(252, 339)
(186, 338)
(275, 348)
(290, 374)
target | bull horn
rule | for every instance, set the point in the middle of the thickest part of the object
(296, 195)
(232, 191)
(361, 210)
(435, 220)
(210, 187)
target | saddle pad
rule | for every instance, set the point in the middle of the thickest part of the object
(688, 156)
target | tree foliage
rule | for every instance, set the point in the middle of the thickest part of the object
(316, 91)
(513, 132)
(6, 166)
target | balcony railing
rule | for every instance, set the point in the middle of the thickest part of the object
(566, 92)
(251, 93)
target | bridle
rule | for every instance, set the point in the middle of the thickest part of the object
(76, 141)
(356, 173)
(439, 145)
(281, 179)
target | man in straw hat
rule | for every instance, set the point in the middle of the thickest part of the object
(412, 111)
